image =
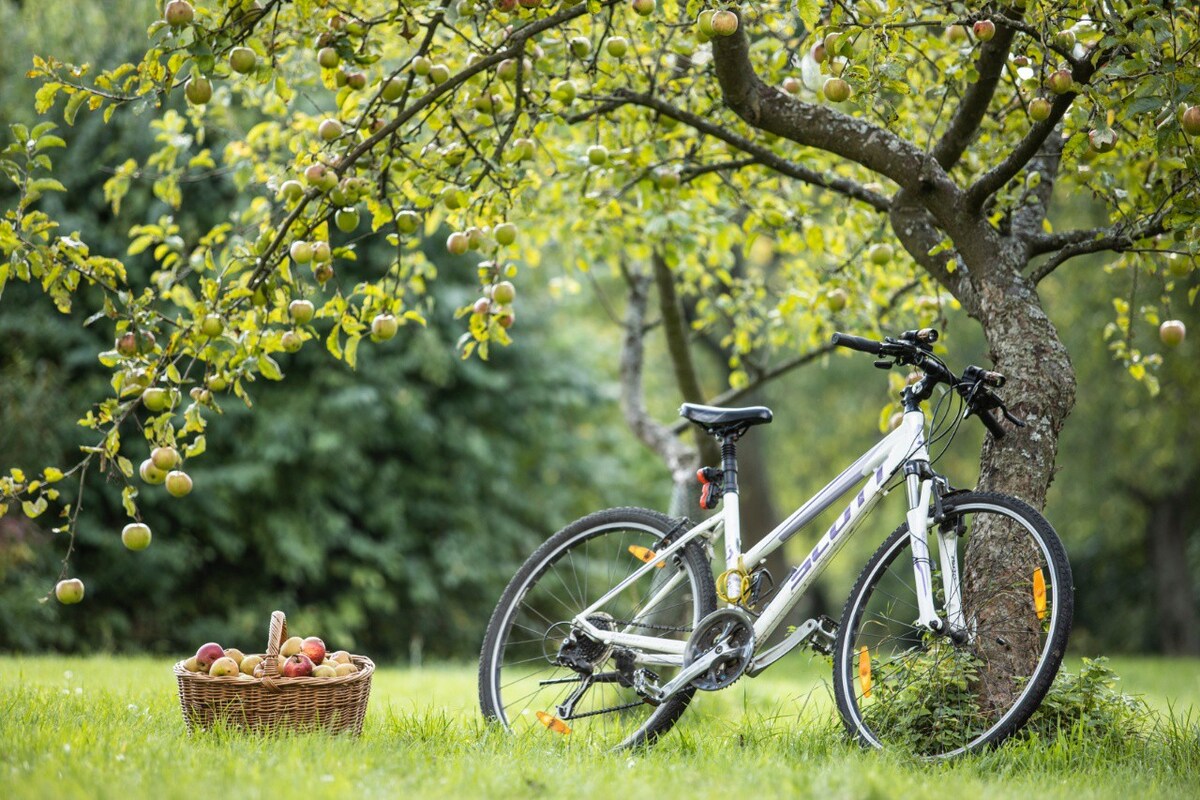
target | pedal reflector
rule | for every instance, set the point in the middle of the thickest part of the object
(1039, 593)
(553, 723)
(645, 554)
(864, 671)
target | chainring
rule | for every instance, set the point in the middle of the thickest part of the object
(730, 629)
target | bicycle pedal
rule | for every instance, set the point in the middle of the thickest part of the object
(824, 636)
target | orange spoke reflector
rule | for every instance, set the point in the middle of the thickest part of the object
(864, 671)
(553, 723)
(1039, 593)
(645, 554)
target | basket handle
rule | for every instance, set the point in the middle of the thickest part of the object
(275, 640)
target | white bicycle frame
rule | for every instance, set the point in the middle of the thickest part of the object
(904, 445)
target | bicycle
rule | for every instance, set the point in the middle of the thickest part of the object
(613, 624)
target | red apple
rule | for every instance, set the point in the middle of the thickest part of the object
(1059, 81)
(298, 666)
(207, 655)
(127, 345)
(314, 648)
(1172, 332)
(984, 30)
(791, 85)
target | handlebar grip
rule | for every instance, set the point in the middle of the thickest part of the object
(992, 424)
(856, 343)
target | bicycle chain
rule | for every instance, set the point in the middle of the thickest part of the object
(652, 626)
(634, 704)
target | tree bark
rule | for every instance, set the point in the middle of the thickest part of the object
(1175, 618)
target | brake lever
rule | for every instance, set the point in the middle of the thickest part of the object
(1008, 415)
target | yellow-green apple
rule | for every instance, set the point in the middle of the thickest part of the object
(291, 647)
(69, 591)
(136, 536)
(224, 667)
(249, 663)
(179, 483)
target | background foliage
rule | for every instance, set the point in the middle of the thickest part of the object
(386, 507)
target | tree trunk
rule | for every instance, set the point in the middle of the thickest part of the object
(1174, 595)
(1000, 559)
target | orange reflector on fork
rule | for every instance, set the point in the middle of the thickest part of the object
(1039, 593)
(864, 671)
(553, 723)
(645, 554)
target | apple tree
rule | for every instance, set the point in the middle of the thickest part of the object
(783, 169)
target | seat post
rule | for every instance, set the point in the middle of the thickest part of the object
(729, 463)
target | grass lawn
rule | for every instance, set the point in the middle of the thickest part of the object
(111, 727)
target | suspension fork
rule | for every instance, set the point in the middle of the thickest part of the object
(918, 483)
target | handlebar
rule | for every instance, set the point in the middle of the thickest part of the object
(913, 347)
(857, 343)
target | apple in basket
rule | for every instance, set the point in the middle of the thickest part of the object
(224, 667)
(314, 648)
(298, 666)
(208, 654)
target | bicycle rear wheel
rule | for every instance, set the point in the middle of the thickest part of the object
(534, 660)
(941, 695)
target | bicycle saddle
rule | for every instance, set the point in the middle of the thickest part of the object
(717, 417)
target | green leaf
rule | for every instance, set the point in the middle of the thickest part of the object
(127, 496)
(269, 368)
(77, 99)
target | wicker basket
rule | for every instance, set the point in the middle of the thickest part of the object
(273, 702)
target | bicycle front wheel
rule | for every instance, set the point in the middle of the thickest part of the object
(978, 681)
(540, 674)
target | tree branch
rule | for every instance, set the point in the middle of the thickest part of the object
(761, 154)
(678, 349)
(679, 457)
(993, 56)
(994, 179)
(1116, 239)
(856, 140)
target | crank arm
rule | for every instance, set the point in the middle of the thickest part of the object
(694, 670)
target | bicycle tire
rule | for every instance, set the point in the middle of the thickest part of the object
(612, 532)
(974, 694)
